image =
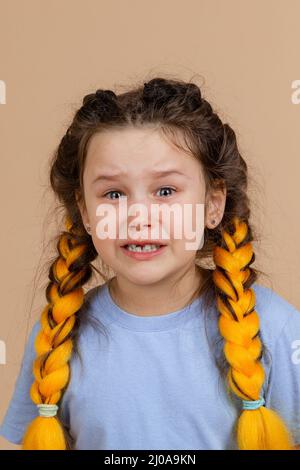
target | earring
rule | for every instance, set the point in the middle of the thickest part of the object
(213, 222)
(88, 228)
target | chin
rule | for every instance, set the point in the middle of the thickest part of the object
(143, 277)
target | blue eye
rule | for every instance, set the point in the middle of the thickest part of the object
(167, 187)
(164, 188)
(110, 192)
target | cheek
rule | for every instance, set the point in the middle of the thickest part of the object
(188, 222)
(105, 248)
(184, 249)
(104, 218)
(195, 218)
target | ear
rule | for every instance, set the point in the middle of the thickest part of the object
(215, 201)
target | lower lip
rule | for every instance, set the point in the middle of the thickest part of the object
(143, 255)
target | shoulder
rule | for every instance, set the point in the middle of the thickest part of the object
(95, 301)
(94, 312)
(92, 315)
(277, 315)
(280, 331)
(94, 295)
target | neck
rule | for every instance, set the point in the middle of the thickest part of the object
(167, 295)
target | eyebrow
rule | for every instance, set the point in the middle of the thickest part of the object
(156, 173)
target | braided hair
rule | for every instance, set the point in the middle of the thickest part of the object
(174, 106)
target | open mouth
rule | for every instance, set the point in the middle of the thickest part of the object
(143, 248)
(143, 251)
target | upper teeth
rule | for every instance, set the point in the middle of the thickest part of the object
(142, 248)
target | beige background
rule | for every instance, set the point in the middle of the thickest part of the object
(244, 54)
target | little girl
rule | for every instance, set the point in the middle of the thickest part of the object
(181, 348)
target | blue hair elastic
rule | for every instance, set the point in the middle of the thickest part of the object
(253, 404)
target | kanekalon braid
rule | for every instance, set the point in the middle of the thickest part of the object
(259, 428)
(53, 344)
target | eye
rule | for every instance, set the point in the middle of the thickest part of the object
(111, 192)
(164, 188)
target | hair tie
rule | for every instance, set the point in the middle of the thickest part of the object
(253, 404)
(46, 410)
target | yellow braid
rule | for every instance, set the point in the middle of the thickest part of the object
(50, 368)
(261, 428)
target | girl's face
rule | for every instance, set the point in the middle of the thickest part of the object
(138, 155)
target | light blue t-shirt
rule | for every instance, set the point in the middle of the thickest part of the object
(152, 383)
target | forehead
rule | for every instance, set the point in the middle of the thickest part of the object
(136, 150)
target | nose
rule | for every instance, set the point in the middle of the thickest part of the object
(142, 215)
(140, 226)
